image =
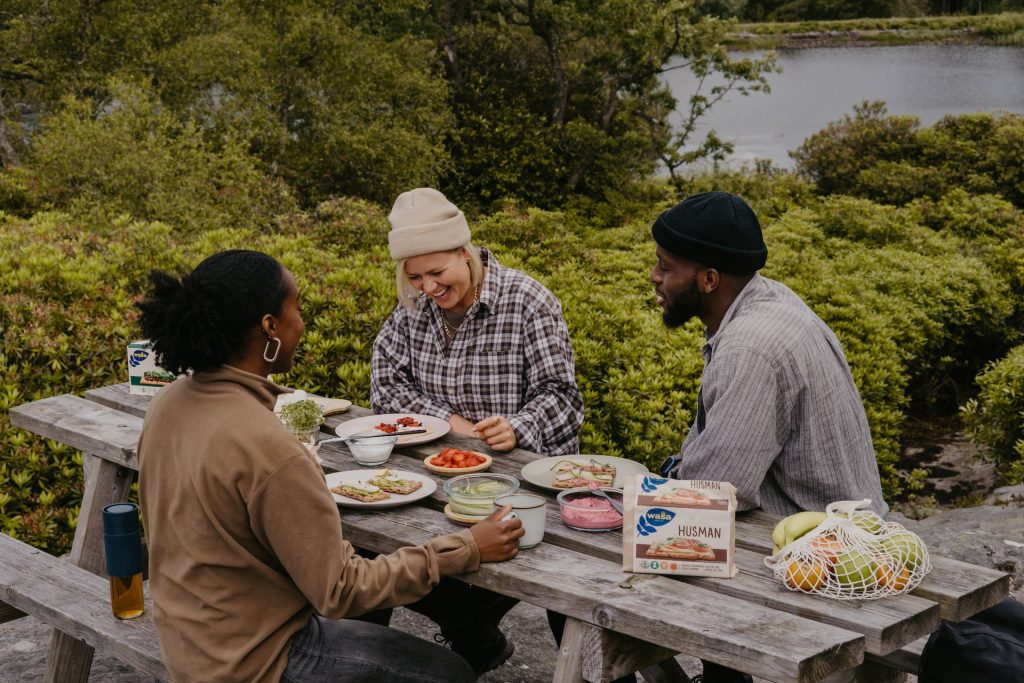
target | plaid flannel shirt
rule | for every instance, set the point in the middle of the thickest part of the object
(511, 357)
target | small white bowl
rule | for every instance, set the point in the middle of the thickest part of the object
(373, 450)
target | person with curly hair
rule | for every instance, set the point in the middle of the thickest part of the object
(250, 577)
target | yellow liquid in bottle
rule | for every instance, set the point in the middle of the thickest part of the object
(126, 596)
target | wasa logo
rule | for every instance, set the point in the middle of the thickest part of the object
(136, 357)
(652, 519)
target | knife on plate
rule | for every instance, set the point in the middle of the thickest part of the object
(369, 435)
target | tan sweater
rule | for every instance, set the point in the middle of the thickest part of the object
(245, 539)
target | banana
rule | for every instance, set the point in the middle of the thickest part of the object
(793, 527)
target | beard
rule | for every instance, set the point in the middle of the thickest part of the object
(685, 305)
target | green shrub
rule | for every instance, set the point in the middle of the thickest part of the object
(915, 312)
(916, 318)
(890, 159)
(996, 418)
(130, 155)
(834, 157)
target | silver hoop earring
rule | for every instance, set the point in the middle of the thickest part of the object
(266, 350)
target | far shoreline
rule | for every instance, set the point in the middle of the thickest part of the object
(998, 29)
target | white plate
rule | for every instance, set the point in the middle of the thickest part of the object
(435, 426)
(539, 472)
(396, 499)
(329, 406)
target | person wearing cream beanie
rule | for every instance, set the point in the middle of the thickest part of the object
(424, 221)
(484, 347)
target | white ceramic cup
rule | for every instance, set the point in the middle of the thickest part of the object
(531, 509)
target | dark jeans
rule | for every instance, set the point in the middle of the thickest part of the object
(459, 609)
(361, 652)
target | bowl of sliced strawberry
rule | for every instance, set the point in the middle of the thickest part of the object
(452, 461)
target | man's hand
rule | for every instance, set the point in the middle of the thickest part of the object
(497, 540)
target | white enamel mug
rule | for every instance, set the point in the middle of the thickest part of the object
(531, 510)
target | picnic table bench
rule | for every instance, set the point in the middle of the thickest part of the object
(617, 621)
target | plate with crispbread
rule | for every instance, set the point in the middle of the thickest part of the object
(378, 488)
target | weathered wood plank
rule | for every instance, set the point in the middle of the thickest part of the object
(597, 655)
(8, 613)
(611, 656)
(961, 589)
(82, 424)
(76, 602)
(672, 614)
(70, 658)
(116, 396)
(887, 624)
(569, 663)
(907, 658)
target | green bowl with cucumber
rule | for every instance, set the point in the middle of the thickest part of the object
(473, 494)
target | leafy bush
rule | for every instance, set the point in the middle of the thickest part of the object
(891, 160)
(916, 318)
(996, 418)
(834, 157)
(915, 309)
(130, 155)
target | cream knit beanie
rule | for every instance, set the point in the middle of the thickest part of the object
(423, 221)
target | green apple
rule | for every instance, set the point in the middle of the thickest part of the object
(868, 521)
(855, 568)
(905, 548)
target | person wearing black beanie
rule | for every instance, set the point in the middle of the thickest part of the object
(778, 414)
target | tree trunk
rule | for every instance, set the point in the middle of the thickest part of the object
(449, 44)
(8, 157)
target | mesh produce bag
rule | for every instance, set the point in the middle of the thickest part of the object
(852, 555)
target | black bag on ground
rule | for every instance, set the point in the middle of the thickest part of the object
(987, 648)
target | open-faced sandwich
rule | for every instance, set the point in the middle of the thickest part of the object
(682, 549)
(570, 474)
(400, 425)
(158, 377)
(361, 490)
(682, 496)
(392, 483)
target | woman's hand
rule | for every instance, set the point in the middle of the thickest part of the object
(497, 540)
(461, 425)
(497, 432)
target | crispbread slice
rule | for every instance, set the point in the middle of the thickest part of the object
(363, 496)
(400, 486)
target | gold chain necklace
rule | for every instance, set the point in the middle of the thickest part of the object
(450, 331)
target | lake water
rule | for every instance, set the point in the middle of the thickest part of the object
(820, 85)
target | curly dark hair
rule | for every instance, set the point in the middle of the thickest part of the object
(201, 320)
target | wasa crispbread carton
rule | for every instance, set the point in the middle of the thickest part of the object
(144, 375)
(675, 526)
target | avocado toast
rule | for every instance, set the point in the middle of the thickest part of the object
(392, 483)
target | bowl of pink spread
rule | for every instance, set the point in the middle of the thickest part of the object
(583, 511)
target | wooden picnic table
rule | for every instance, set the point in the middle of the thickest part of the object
(617, 621)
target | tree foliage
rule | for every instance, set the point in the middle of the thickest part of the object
(532, 99)
(554, 99)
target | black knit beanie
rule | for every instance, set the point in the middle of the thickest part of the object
(717, 229)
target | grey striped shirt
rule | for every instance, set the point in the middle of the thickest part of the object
(779, 415)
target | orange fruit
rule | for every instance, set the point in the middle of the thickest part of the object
(828, 547)
(895, 579)
(805, 576)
